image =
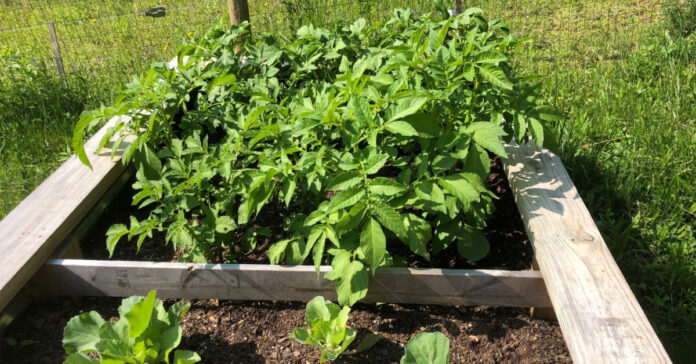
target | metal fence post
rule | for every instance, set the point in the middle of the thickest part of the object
(56, 51)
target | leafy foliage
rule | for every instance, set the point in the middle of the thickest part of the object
(369, 136)
(327, 328)
(145, 333)
(427, 348)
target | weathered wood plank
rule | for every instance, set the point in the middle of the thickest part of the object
(35, 228)
(600, 317)
(70, 247)
(291, 283)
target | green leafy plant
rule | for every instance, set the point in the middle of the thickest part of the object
(427, 348)
(144, 333)
(364, 137)
(328, 331)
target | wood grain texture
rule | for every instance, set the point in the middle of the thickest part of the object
(287, 283)
(38, 225)
(600, 317)
(238, 11)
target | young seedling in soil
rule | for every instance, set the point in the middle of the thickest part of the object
(328, 331)
(145, 333)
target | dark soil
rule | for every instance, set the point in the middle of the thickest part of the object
(510, 248)
(257, 332)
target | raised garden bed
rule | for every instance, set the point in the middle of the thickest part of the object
(257, 332)
(540, 185)
(600, 318)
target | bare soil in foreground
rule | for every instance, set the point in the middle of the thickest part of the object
(257, 332)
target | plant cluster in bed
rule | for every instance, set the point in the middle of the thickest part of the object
(328, 332)
(368, 136)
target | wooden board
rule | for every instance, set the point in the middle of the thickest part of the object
(35, 228)
(290, 283)
(70, 247)
(600, 317)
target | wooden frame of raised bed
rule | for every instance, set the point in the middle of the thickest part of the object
(599, 316)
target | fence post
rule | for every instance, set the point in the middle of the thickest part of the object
(56, 51)
(239, 13)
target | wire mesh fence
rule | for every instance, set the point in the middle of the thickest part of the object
(103, 39)
(113, 39)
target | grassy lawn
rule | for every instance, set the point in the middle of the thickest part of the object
(627, 88)
(629, 143)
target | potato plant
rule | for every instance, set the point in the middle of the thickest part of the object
(367, 137)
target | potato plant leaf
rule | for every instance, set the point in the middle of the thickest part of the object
(344, 180)
(402, 128)
(405, 107)
(373, 243)
(472, 244)
(389, 218)
(494, 75)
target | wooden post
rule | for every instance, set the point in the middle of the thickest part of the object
(238, 10)
(239, 13)
(56, 51)
(458, 6)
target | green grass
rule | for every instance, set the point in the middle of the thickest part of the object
(629, 143)
(37, 113)
(627, 90)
